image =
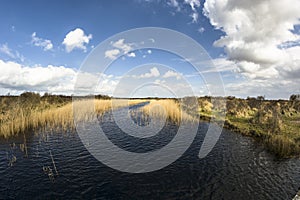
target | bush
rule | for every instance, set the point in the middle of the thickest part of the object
(30, 99)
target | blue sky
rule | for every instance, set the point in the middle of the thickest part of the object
(44, 43)
(54, 19)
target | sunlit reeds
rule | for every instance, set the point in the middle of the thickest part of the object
(167, 109)
(20, 119)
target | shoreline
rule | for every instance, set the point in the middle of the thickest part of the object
(261, 137)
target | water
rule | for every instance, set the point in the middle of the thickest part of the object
(237, 168)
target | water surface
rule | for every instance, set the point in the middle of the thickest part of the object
(237, 168)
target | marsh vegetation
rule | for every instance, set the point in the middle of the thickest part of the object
(30, 111)
(274, 122)
(168, 109)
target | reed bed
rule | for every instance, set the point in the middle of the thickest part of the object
(167, 109)
(21, 119)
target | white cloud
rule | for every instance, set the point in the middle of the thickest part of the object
(271, 88)
(160, 82)
(76, 39)
(263, 82)
(95, 83)
(175, 4)
(201, 29)
(170, 74)
(120, 47)
(254, 34)
(131, 54)
(194, 17)
(20, 56)
(120, 44)
(149, 51)
(154, 72)
(112, 54)
(40, 42)
(219, 65)
(6, 50)
(16, 78)
(194, 4)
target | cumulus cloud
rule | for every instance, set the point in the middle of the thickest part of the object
(119, 47)
(154, 72)
(170, 74)
(95, 83)
(45, 44)
(17, 78)
(271, 88)
(120, 44)
(131, 54)
(76, 39)
(254, 31)
(112, 54)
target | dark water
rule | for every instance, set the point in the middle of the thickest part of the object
(237, 168)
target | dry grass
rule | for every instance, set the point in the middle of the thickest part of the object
(282, 145)
(167, 109)
(21, 119)
(270, 121)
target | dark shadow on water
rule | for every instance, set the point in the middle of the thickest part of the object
(140, 105)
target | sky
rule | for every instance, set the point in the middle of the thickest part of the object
(254, 46)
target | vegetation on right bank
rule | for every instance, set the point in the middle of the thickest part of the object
(274, 122)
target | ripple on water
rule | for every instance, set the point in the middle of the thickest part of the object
(237, 168)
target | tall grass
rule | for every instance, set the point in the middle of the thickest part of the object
(167, 109)
(282, 145)
(21, 119)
